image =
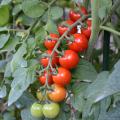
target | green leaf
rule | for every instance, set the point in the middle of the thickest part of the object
(23, 77)
(10, 45)
(113, 114)
(56, 12)
(8, 71)
(4, 14)
(84, 71)
(25, 100)
(5, 2)
(3, 39)
(105, 6)
(77, 99)
(39, 37)
(30, 44)
(16, 9)
(33, 8)
(26, 115)
(51, 27)
(104, 85)
(25, 20)
(8, 116)
(2, 63)
(18, 58)
(3, 91)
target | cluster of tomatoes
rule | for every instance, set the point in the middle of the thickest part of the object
(58, 75)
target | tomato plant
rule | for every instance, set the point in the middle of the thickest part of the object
(59, 59)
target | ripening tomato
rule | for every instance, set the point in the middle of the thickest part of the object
(43, 77)
(69, 60)
(87, 31)
(63, 77)
(44, 61)
(51, 110)
(79, 44)
(50, 42)
(74, 16)
(58, 94)
(64, 28)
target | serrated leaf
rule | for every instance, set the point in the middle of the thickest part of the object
(4, 14)
(56, 12)
(3, 39)
(23, 77)
(84, 71)
(33, 8)
(18, 57)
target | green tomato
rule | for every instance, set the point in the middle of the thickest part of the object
(51, 110)
(36, 110)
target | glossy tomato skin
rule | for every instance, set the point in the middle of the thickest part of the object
(55, 59)
(63, 77)
(80, 43)
(87, 31)
(63, 28)
(74, 16)
(36, 110)
(58, 94)
(43, 77)
(51, 110)
(50, 43)
(69, 60)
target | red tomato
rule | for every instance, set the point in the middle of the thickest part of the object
(69, 60)
(63, 77)
(50, 43)
(55, 60)
(74, 16)
(43, 77)
(87, 31)
(64, 28)
(79, 44)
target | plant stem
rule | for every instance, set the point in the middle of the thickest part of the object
(110, 30)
